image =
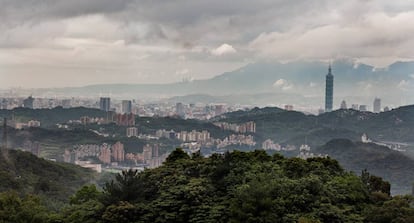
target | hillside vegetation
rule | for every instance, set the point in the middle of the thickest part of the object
(234, 187)
(393, 166)
(293, 127)
(26, 174)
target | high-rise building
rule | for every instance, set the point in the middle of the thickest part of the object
(180, 110)
(126, 107)
(118, 152)
(132, 132)
(105, 104)
(147, 152)
(105, 154)
(155, 151)
(377, 105)
(329, 87)
(343, 105)
(28, 102)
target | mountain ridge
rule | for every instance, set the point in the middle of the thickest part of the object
(352, 80)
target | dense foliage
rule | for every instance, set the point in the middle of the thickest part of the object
(392, 165)
(234, 187)
(27, 174)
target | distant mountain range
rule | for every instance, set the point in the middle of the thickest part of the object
(262, 83)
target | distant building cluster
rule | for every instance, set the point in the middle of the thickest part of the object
(397, 146)
(233, 139)
(184, 136)
(305, 152)
(193, 136)
(198, 111)
(23, 125)
(86, 120)
(240, 128)
(150, 156)
(269, 144)
(105, 153)
(329, 90)
(189, 111)
(112, 156)
(376, 108)
(197, 139)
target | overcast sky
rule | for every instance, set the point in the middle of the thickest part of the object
(55, 43)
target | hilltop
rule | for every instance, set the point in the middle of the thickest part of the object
(393, 166)
(27, 174)
(294, 127)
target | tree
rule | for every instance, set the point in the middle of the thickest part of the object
(20, 210)
(126, 187)
(86, 193)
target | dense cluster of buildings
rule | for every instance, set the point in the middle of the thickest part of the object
(305, 152)
(240, 128)
(150, 156)
(22, 125)
(113, 156)
(198, 139)
(184, 136)
(105, 153)
(375, 108)
(233, 139)
(268, 144)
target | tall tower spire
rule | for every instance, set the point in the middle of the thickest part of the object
(330, 69)
(329, 90)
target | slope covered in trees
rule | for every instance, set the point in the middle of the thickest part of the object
(234, 187)
(393, 166)
(27, 174)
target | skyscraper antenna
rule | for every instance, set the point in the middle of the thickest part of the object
(330, 68)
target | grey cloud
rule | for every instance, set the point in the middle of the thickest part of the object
(141, 33)
(186, 22)
(20, 11)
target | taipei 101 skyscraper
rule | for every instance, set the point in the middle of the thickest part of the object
(329, 90)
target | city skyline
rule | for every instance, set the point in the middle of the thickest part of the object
(193, 40)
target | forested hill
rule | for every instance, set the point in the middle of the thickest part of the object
(393, 166)
(234, 187)
(292, 126)
(50, 117)
(27, 174)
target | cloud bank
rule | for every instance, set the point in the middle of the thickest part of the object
(56, 42)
